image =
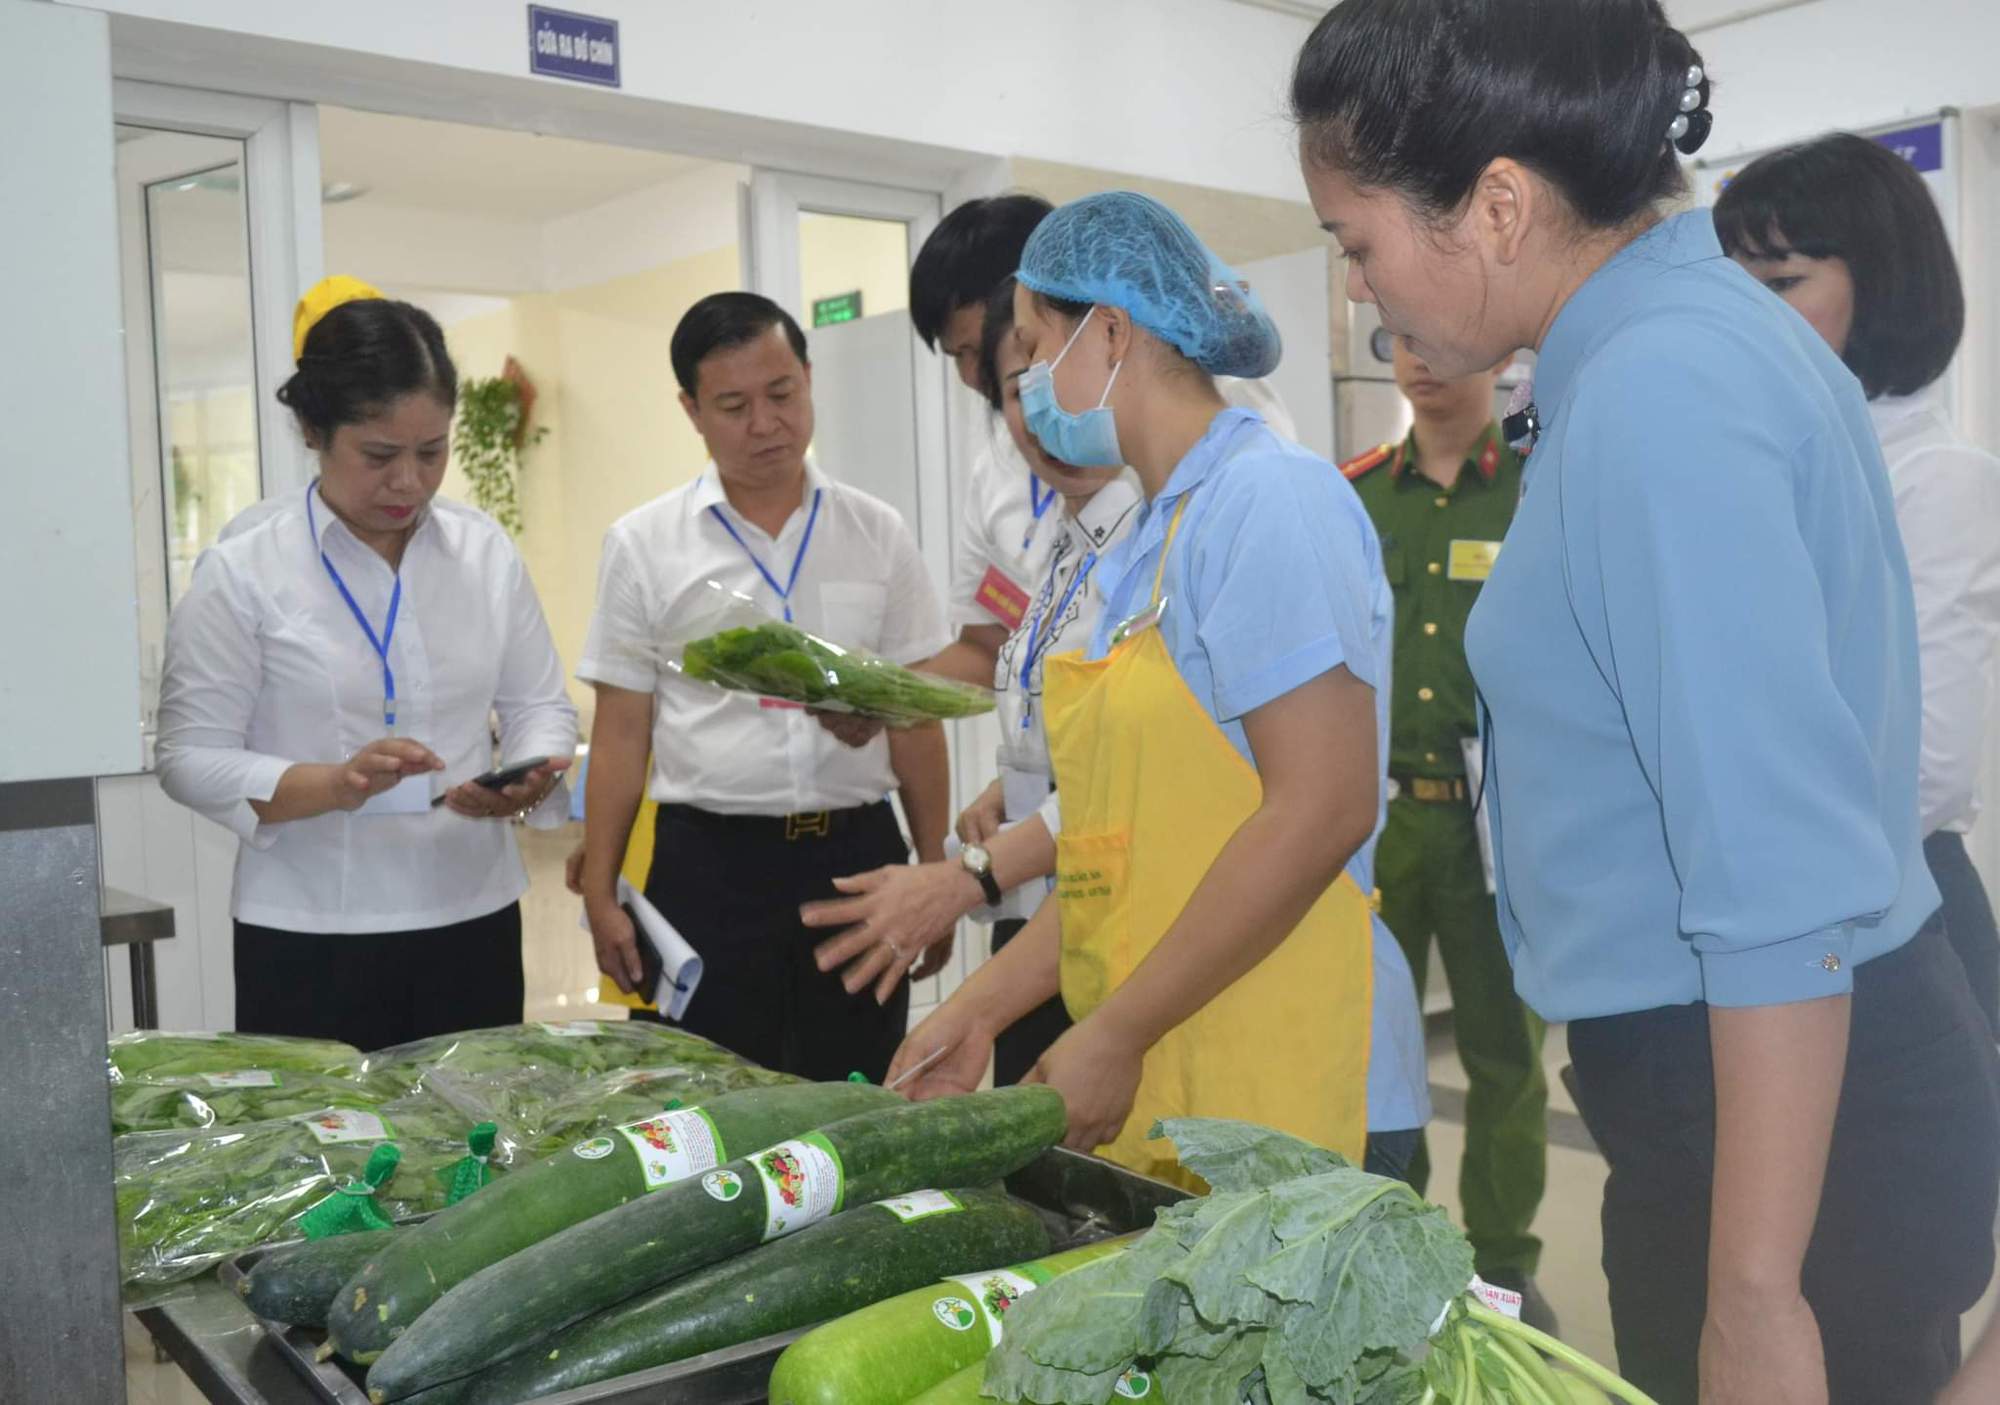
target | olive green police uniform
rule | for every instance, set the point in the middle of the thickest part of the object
(1438, 545)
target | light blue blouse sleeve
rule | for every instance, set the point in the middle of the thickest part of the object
(1285, 576)
(1683, 519)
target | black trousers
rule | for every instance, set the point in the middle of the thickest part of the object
(732, 885)
(1904, 1240)
(380, 988)
(1028, 1038)
(1968, 920)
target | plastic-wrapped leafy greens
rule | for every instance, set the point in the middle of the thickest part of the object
(735, 645)
(617, 1099)
(152, 1053)
(188, 1199)
(153, 1103)
(583, 1047)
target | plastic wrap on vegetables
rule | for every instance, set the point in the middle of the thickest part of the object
(616, 1099)
(584, 1047)
(152, 1053)
(159, 1102)
(734, 644)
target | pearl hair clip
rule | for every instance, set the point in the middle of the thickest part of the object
(1692, 124)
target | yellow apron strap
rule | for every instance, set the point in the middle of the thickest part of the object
(1173, 530)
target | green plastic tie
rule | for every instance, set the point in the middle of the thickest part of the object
(857, 1077)
(473, 1171)
(352, 1207)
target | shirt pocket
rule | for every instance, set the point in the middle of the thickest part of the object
(852, 614)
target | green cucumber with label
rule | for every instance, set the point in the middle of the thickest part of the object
(510, 1306)
(886, 1353)
(858, 1257)
(592, 1176)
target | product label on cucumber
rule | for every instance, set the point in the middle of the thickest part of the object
(345, 1124)
(569, 1029)
(248, 1078)
(803, 1184)
(921, 1205)
(672, 1146)
(994, 1292)
(596, 1149)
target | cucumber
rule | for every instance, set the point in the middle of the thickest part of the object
(294, 1285)
(884, 1354)
(594, 1175)
(857, 1257)
(510, 1306)
(964, 1388)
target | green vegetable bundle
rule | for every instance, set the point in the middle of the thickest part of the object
(152, 1053)
(154, 1103)
(1297, 1279)
(189, 1199)
(777, 660)
(582, 1047)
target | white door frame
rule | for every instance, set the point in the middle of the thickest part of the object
(281, 184)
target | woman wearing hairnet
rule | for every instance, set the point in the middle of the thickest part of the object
(1218, 746)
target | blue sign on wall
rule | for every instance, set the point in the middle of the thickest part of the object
(563, 44)
(1922, 147)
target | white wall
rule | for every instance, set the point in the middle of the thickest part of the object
(1189, 90)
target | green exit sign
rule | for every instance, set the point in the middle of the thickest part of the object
(843, 307)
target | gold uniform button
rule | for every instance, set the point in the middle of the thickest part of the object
(1430, 758)
(1443, 502)
(1425, 695)
(1430, 627)
(1436, 568)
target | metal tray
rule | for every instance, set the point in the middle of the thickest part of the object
(1080, 1197)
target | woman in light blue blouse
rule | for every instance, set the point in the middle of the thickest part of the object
(1698, 654)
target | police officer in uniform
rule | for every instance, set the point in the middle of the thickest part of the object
(1441, 501)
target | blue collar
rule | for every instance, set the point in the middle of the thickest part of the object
(1193, 470)
(1608, 295)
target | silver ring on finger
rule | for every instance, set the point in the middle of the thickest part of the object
(900, 956)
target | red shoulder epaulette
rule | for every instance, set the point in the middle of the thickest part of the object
(1374, 458)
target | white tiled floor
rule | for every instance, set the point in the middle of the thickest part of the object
(562, 973)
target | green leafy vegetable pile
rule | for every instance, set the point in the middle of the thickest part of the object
(777, 660)
(152, 1053)
(580, 1047)
(1298, 1279)
(160, 1103)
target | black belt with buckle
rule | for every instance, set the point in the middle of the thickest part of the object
(1430, 791)
(811, 824)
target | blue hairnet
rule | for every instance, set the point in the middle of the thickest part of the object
(1129, 251)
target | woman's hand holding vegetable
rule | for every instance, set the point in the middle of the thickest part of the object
(1095, 1066)
(983, 817)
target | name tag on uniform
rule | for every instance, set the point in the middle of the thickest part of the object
(1471, 561)
(1001, 598)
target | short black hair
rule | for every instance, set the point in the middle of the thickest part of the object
(1845, 197)
(968, 254)
(997, 327)
(1419, 96)
(721, 321)
(360, 357)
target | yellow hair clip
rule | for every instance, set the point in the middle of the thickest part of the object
(322, 298)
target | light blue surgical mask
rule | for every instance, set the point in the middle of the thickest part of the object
(1086, 440)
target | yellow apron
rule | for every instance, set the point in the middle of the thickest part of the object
(1151, 792)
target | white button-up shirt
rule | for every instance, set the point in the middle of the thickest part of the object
(998, 558)
(267, 668)
(1948, 507)
(861, 584)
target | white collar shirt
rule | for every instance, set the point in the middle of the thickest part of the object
(1948, 509)
(861, 583)
(267, 668)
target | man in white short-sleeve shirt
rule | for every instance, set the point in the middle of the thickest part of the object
(761, 805)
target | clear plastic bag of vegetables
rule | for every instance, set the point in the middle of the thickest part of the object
(153, 1053)
(732, 643)
(584, 1047)
(618, 1099)
(155, 1102)
(189, 1199)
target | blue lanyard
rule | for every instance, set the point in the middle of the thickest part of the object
(1039, 501)
(380, 646)
(783, 592)
(1033, 656)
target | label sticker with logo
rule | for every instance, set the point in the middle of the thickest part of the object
(345, 1124)
(995, 1292)
(921, 1205)
(672, 1146)
(955, 1313)
(722, 1185)
(1504, 1301)
(1133, 1385)
(245, 1078)
(1471, 560)
(803, 1184)
(596, 1149)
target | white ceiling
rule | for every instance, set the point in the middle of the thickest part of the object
(482, 171)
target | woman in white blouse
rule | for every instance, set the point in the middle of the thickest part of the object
(332, 679)
(1846, 232)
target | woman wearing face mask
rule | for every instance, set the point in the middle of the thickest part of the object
(332, 672)
(1844, 230)
(1217, 746)
(1698, 654)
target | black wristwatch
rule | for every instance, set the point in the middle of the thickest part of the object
(974, 859)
